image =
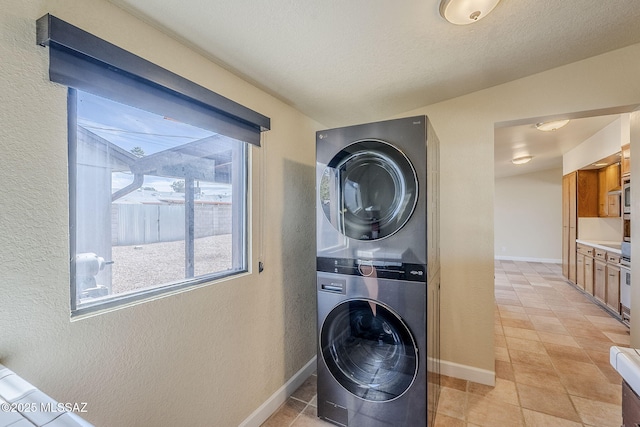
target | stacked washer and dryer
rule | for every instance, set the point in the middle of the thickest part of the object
(378, 273)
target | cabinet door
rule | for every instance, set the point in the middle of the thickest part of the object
(580, 270)
(613, 205)
(588, 275)
(602, 192)
(625, 166)
(600, 281)
(587, 193)
(613, 288)
(613, 176)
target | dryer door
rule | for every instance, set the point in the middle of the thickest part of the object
(369, 190)
(369, 350)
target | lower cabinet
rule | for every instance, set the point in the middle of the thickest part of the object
(613, 288)
(580, 270)
(588, 275)
(598, 274)
(600, 281)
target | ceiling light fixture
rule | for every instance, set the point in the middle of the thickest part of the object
(463, 12)
(551, 126)
(521, 160)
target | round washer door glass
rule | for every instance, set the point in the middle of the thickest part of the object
(368, 190)
(369, 350)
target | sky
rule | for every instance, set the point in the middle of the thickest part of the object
(129, 127)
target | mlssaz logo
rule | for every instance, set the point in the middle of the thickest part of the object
(416, 272)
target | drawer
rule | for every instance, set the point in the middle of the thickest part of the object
(613, 258)
(600, 254)
(585, 250)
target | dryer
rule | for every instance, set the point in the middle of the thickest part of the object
(378, 273)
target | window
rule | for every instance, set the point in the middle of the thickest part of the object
(158, 173)
(156, 203)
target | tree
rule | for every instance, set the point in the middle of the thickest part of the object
(137, 151)
(178, 186)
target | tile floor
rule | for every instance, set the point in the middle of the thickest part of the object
(552, 361)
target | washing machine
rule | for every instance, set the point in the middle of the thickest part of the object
(378, 273)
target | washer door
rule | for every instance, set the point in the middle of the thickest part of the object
(369, 190)
(369, 350)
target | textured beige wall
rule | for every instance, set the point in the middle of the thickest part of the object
(528, 216)
(465, 128)
(209, 356)
(212, 355)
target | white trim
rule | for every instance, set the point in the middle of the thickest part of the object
(274, 402)
(469, 373)
(527, 259)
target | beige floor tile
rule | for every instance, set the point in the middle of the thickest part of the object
(594, 389)
(519, 315)
(504, 370)
(532, 303)
(500, 341)
(454, 383)
(307, 390)
(538, 419)
(512, 309)
(305, 420)
(288, 412)
(619, 339)
(528, 334)
(560, 339)
(517, 323)
(597, 413)
(453, 403)
(573, 354)
(591, 344)
(491, 413)
(551, 328)
(525, 345)
(547, 401)
(539, 311)
(502, 353)
(446, 421)
(504, 391)
(540, 377)
(528, 358)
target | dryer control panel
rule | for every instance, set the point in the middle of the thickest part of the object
(382, 269)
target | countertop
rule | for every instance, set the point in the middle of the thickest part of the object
(627, 362)
(602, 244)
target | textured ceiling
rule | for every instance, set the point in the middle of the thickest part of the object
(346, 62)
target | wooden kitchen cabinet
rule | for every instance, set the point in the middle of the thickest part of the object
(600, 280)
(580, 270)
(569, 225)
(613, 282)
(588, 275)
(613, 288)
(586, 193)
(609, 180)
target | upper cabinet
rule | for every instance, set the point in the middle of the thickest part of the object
(598, 192)
(609, 191)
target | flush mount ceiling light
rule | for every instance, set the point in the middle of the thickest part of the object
(551, 126)
(463, 12)
(521, 160)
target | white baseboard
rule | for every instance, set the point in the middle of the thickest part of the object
(469, 373)
(528, 259)
(272, 404)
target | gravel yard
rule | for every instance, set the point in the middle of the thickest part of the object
(141, 266)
